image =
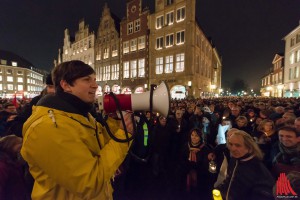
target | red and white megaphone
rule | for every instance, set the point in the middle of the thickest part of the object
(138, 102)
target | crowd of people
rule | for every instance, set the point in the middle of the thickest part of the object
(236, 145)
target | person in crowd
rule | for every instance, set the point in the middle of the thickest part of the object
(247, 177)
(9, 110)
(242, 124)
(287, 119)
(235, 112)
(70, 155)
(194, 176)
(195, 120)
(267, 140)
(12, 174)
(251, 116)
(17, 123)
(288, 159)
(297, 124)
(278, 112)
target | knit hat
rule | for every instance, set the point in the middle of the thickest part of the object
(49, 80)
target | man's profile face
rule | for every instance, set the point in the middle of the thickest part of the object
(288, 138)
(85, 88)
(297, 125)
(237, 146)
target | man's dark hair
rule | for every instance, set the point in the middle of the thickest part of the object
(70, 71)
(289, 128)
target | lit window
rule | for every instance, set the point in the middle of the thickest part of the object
(106, 53)
(106, 73)
(10, 86)
(126, 70)
(137, 25)
(20, 80)
(180, 14)
(159, 22)
(180, 37)
(133, 69)
(141, 42)
(14, 64)
(141, 67)
(159, 65)
(292, 58)
(130, 28)
(115, 72)
(180, 62)
(3, 62)
(114, 51)
(133, 45)
(169, 64)
(159, 43)
(125, 47)
(20, 87)
(9, 78)
(0, 78)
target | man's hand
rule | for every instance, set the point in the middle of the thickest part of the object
(128, 121)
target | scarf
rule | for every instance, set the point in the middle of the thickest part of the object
(191, 179)
(290, 154)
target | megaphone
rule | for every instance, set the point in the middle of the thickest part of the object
(138, 102)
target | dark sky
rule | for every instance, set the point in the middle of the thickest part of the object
(247, 33)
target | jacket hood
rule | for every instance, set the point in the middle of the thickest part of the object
(51, 106)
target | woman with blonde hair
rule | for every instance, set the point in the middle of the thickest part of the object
(267, 140)
(247, 177)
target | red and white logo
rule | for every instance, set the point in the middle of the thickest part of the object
(283, 187)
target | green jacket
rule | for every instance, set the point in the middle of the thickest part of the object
(64, 156)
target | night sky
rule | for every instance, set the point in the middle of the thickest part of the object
(247, 33)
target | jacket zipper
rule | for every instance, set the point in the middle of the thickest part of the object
(233, 174)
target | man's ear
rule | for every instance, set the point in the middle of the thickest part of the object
(65, 86)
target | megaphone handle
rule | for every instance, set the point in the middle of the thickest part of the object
(151, 99)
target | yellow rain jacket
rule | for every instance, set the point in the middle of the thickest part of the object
(64, 157)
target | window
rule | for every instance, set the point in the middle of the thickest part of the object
(292, 42)
(169, 2)
(3, 62)
(106, 73)
(9, 79)
(130, 28)
(106, 53)
(169, 64)
(180, 37)
(141, 42)
(125, 47)
(180, 62)
(14, 64)
(114, 51)
(20, 80)
(180, 14)
(159, 43)
(170, 18)
(10, 86)
(137, 25)
(159, 22)
(169, 40)
(20, 87)
(141, 72)
(296, 72)
(133, 45)
(290, 73)
(9, 71)
(115, 72)
(133, 69)
(292, 58)
(126, 70)
(159, 65)
(0, 78)
(19, 72)
(298, 56)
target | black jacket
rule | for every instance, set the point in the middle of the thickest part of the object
(247, 179)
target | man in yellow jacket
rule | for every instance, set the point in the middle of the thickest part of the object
(70, 155)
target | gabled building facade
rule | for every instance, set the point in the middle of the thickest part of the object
(135, 48)
(80, 49)
(272, 83)
(107, 51)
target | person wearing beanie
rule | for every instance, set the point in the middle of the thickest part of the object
(71, 155)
